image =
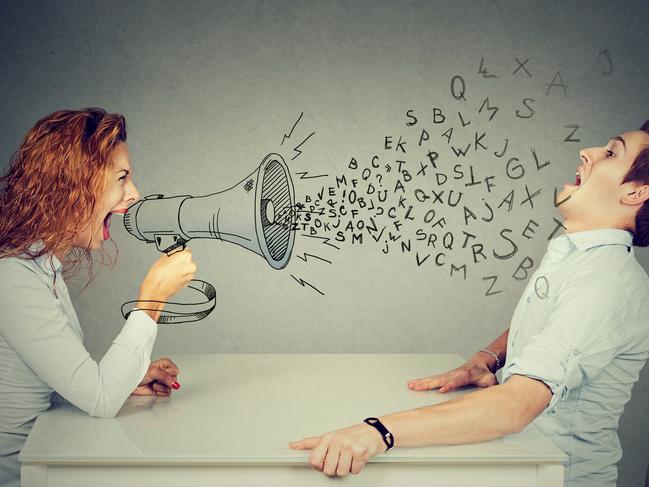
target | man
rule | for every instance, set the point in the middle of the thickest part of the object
(577, 341)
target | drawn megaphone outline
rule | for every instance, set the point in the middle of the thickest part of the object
(257, 213)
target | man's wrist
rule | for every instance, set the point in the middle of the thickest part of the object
(387, 439)
(482, 360)
(490, 359)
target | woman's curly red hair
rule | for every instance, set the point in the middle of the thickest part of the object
(54, 180)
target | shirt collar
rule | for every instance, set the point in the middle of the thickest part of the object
(602, 236)
(48, 261)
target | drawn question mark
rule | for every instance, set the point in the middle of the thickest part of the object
(380, 178)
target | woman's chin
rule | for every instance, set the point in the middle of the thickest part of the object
(96, 243)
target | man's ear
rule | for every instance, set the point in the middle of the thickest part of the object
(636, 194)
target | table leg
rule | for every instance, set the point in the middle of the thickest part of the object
(33, 476)
(550, 475)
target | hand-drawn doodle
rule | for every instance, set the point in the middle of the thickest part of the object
(558, 84)
(521, 65)
(405, 198)
(569, 137)
(303, 283)
(257, 214)
(542, 287)
(609, 70)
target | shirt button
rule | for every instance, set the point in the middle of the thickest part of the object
(529, 298)
(576, 351)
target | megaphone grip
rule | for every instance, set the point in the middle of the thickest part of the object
(177, 247)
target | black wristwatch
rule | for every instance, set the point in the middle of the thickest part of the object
(388, 439)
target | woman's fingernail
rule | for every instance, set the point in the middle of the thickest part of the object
(175, 385)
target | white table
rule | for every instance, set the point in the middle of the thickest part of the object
(230, 422)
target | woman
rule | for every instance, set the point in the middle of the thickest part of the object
(66, 180)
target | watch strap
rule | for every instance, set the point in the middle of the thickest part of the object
(388, 439)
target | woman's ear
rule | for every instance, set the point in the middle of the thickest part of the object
(637, 194)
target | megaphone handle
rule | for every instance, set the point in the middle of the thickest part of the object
(177, 247)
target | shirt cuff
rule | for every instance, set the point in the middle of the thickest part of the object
(556, 376)
(139, 332)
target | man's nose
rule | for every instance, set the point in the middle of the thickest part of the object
(585, 156)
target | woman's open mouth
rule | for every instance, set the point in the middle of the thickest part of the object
(106, 228)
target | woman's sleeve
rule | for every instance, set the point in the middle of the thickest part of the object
(36, 327)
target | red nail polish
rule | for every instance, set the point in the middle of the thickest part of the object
(175, 385)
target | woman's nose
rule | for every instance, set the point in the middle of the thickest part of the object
(132, 194)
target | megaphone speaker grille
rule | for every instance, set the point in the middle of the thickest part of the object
(276, 207)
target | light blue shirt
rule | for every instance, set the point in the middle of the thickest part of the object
(582, 327)
(41, 351)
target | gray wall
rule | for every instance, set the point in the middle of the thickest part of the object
(210, 88)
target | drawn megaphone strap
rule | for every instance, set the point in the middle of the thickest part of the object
(257, 214)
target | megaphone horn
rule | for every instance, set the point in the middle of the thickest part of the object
(256, 213)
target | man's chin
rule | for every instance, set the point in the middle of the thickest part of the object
(565, 194)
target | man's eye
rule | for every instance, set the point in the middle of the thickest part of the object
(610, 153)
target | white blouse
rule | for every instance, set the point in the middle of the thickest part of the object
(42, 352)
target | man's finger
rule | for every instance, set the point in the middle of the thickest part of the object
(318, 454)
(357, 465)
(428, 383)
(419, 380)
(331, 459)
(450, 385)
(344, 462)
(305, 443)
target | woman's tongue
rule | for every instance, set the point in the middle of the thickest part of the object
(106, 232)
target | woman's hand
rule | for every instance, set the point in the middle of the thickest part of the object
(159, 380)
(343, 451)
(168, 275)
(474, 372)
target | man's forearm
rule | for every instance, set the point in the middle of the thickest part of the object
(479, 416)
(499, 347)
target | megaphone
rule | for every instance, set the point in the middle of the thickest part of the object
(257, 213)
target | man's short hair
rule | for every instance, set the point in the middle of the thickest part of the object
(639, 173)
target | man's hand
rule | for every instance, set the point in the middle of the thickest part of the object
(159, 380)
(471, 373)
(343, 451)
